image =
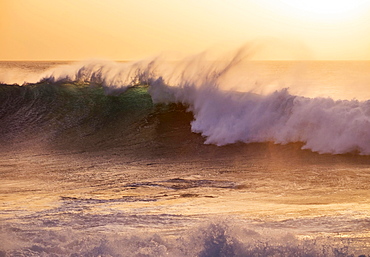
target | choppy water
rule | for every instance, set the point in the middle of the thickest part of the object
(187, 158)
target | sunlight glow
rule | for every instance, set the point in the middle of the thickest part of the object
(130, 30)
(327, 7)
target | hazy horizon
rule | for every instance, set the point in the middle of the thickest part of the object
(264, 60)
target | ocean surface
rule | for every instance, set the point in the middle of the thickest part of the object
(193, 157)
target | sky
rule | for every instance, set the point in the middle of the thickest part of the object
(135, 29)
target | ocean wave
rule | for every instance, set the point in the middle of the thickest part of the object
(224, 112)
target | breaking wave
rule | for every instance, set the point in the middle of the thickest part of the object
(229, 102)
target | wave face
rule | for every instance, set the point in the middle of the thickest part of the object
(67, 111)
(87, 97)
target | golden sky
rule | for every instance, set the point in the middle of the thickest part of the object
(132, 29)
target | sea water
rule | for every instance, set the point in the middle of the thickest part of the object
(185, 158)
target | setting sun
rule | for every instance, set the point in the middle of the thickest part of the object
(327, 7)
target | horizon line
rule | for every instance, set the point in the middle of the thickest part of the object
(133, 60)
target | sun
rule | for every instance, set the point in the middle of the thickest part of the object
(328, 9)
(325, 6)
